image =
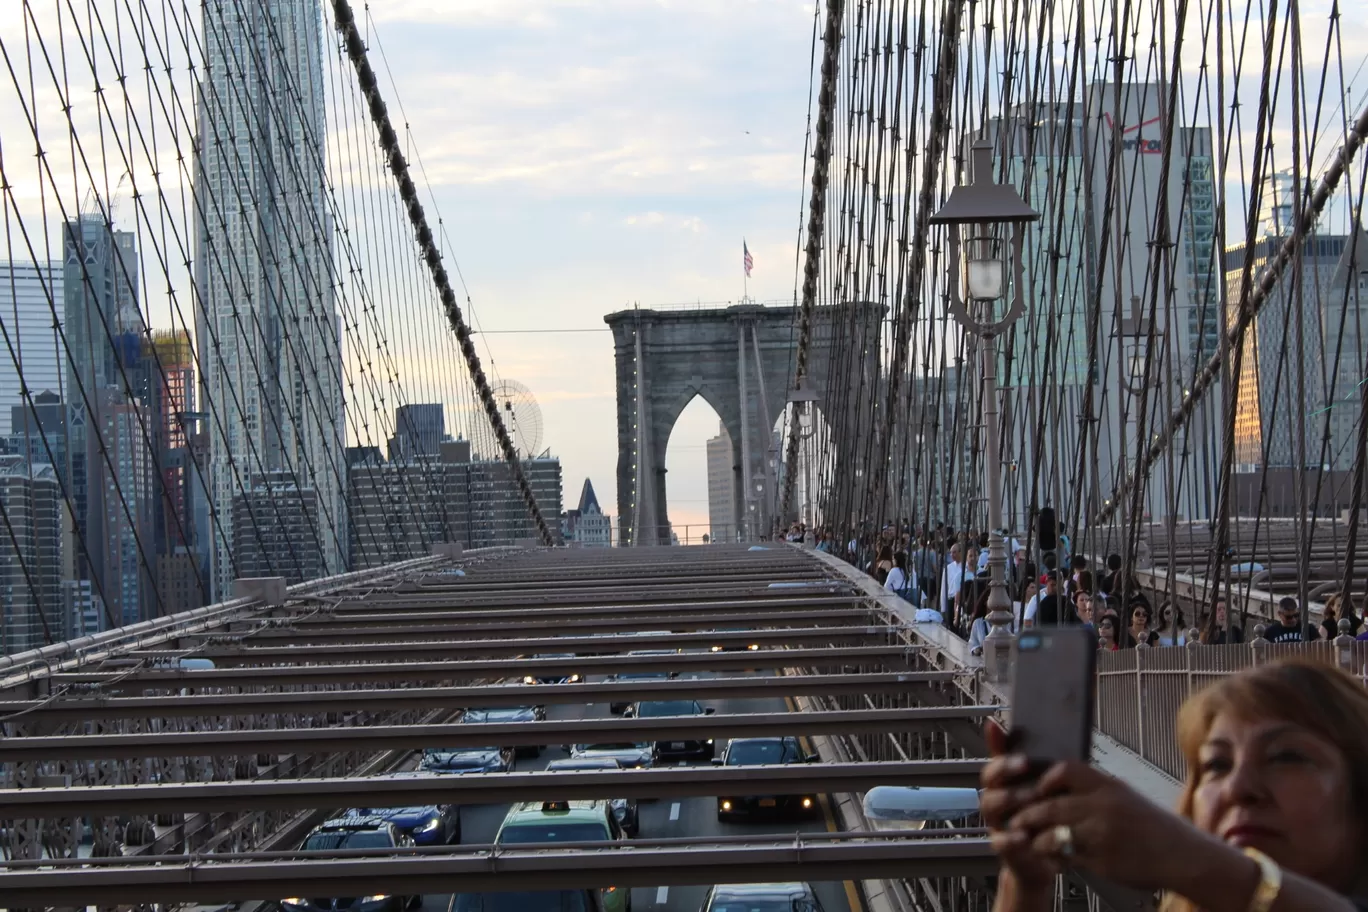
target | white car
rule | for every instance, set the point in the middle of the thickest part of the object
(628, 756)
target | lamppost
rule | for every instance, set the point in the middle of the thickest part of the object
(983, 211)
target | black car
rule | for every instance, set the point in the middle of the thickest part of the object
(766, 897)
(353, 833)
(467, 760)
(627, 676)
(735, 645)
(765, 752)
(509, 714)
(674, 750)
(542, 901)
(624, 809)
(572, 678)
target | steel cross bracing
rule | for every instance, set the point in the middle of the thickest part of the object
(188, 765)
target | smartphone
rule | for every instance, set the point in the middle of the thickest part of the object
(1052, 695)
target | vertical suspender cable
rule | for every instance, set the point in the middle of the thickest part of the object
(1260, 295)
(389, 141)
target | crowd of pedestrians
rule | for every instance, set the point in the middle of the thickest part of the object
(943, 574)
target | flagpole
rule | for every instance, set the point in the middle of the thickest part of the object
(745, 273)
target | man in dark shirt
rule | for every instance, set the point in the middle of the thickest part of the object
(1288, 629)
(1050, 612)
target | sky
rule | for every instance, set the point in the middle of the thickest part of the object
(588, 155)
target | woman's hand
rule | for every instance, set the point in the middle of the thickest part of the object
(1115, 832)
(1003, 788)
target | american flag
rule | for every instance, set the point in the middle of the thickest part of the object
(746, 259)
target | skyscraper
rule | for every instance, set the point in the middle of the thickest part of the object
(110, 482)
(30, 295)
(31, 612)
(419, 429)
(1164, 226)
(1302, 361)
(270, 345)
(721, 487)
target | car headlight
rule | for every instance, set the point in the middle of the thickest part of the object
(753, 647)
(717, 649)
(574, 679)
(710, 740)
(428, 827)
(529, 680)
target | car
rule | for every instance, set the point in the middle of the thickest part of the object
(763, 897)
(550, 822)
(629, 755)
(542, 901)
(696, 749)
(467, 760)
(425, 824)
(758, 752)
(509, 714)
(626, 676)
(353, 833)
(554, 678)
(735, 645)
(624, 809)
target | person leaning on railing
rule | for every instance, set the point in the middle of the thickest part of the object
(1273, 816)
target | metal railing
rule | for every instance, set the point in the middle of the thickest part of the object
(1139, 691)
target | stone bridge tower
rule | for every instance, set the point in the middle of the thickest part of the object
(741, 360)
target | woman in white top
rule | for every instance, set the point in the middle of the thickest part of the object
(900, 580)
(1171, 632)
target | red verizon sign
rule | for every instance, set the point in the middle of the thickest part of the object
(1132, 141)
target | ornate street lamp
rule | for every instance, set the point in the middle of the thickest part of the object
(981, 215)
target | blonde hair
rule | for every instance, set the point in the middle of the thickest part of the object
(1319, 697)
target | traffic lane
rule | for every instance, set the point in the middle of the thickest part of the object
(684, 817)
(697, 818)
(480, 822)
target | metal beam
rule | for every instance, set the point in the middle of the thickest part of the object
(492, 696)
(373, 738)
(807, 857)
(624, 629)
(481, 788)
(380, 652)
(130, 677)
(382, 610)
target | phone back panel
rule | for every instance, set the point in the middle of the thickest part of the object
(1052, 694)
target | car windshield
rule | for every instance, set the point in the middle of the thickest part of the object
(349, 839)
(551, 901)
(750, 753)
(611, 747)
(554, 832)
(457, 751)
(667, 708)
(762, 904)
(495, 715)
(644, 676)
(395, 812)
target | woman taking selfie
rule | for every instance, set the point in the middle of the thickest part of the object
(1271, 819)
